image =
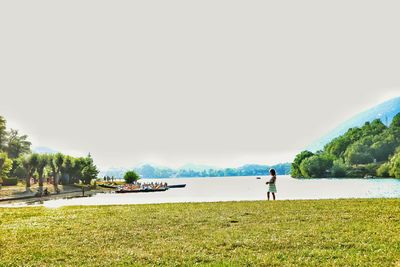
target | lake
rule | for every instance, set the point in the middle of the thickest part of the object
(240, 188)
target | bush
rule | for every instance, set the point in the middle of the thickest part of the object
(10, 181)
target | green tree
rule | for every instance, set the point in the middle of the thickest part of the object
(42, 163)
(5, 165)
(131, 176)
(67, 169)
(384, 170)
(316, 166)
(3, 132)
(339, 169)
(295, 170)
(359, 153)
(30, 164)
(89, 172)
(17, 145)
(76, 172)
(376, 127)
(384, 147)
(55, 162)
(18, 169)
(337, 147)
(394, 170)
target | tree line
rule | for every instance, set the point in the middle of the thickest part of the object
(18, 162)
(370, 150)
(149, 171)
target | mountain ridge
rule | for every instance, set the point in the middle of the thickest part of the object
(384, 111)
(150, 171)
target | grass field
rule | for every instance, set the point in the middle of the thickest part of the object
(282, 233)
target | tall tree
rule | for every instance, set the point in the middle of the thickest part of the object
(89, 172)
(56, 161)
(42, 163)
(17, 145)
(18, 169)
(67, 169)
(30, 164)
(5, 165)
(296, 172)
(76, 174)
(3, 132)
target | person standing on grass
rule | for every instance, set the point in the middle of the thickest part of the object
(272, 184)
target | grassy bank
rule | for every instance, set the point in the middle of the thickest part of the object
(325, 232)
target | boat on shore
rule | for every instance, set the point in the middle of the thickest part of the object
(144, 190)
(140, 189)
(177, 186)
(108, 186)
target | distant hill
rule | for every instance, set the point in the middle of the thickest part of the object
(197, 167)
(192, 170)
(44, 150)
(385, 111)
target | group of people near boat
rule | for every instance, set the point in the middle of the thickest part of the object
(140, 186)
(271, 183)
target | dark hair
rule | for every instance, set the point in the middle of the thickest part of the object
(272, 172)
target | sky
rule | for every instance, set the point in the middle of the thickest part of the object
(221, 83)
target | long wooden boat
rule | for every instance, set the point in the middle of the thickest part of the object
(108, 186)
(177, 186)
(141, 190)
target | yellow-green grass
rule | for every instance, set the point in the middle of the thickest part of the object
(281, 233)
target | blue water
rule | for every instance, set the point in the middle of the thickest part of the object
(242, 188)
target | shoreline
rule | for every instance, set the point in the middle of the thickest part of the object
(53, 196)
(26, 205)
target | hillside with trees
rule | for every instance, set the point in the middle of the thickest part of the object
(370, 150)
(385, 111)
(18, 163)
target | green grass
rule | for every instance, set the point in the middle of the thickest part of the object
(282, 233)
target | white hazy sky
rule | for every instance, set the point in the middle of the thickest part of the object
(209, 82)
